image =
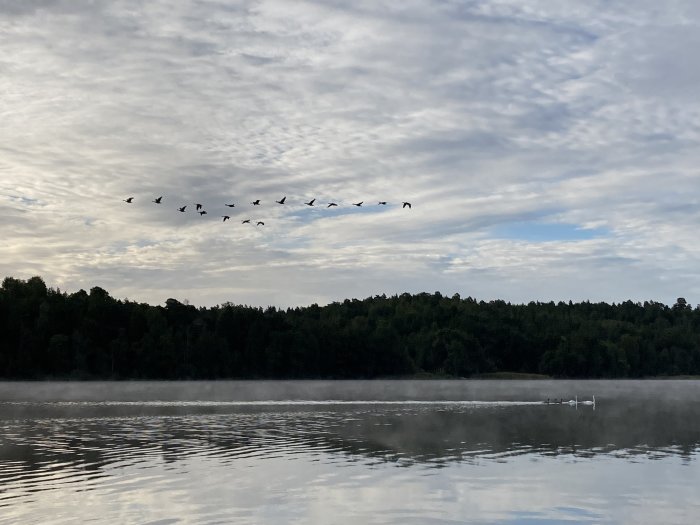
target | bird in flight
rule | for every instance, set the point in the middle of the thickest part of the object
(203, 212)
(256, 202)
(406, 204)
(226, 217)
(157, 201)
(260, 223)
(358, 204)
(281, 201)
(182, 210)
(383, 203)
(199, 206)
(230, 205)
(311, 202)
(129, 200)
(331, 204)
(247, 221)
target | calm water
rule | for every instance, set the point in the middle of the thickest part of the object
(350, 452)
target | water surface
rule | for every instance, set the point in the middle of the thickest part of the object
(384, 452)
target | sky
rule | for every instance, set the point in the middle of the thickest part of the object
(549, 149)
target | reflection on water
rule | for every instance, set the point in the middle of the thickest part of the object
(430, 459)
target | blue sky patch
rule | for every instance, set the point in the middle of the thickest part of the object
(545, 231)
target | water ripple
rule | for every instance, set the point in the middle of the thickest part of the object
(111, 450)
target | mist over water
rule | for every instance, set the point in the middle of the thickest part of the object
(349, 452)
(351, 390)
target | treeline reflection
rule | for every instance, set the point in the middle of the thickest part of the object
(73, 440)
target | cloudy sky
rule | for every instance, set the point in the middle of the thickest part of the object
(549, 148)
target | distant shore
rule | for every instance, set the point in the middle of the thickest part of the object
(500, 376)
(48, 334)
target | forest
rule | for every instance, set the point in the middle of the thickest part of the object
(49, 334)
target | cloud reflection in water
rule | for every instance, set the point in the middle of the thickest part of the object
(282, 462)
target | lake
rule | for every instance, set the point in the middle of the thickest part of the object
(342, 452)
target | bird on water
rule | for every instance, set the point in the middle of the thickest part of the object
(281, 201)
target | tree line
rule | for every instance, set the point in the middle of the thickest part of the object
(47, 333)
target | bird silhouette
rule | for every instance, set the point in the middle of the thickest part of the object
(260, 223)
(311, 202)
(230, 205)
(281, 201)
(383, 203)
(157, 201)
(226, 217)
(128, 200)
(247, 221)
(199, 206)
(203, 212)
(358, 204)
(331, 204)
(182, 209)
(406, 204)
(256, 202)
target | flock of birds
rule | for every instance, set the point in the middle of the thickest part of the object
(199, 208)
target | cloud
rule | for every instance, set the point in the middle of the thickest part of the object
(482, 114)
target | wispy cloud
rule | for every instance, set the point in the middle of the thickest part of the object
(489, 117)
